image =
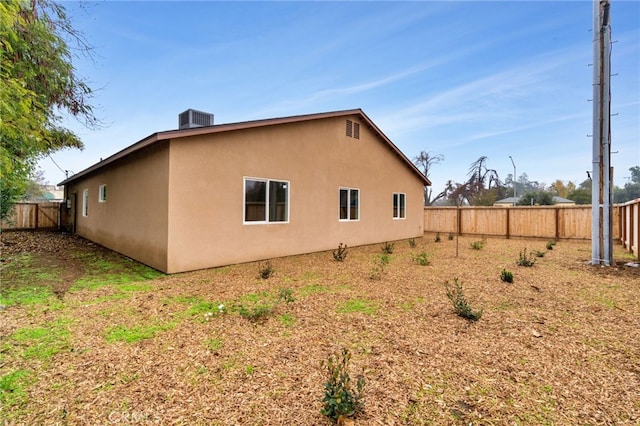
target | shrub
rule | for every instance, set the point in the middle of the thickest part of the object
(412, 242)
(256, 313)
(286, 295)
(387, 248)
(526, 260)
(437, 239)
(540, 253)
(460, 305)
(265, 270)
(340, 398)
(550, 245)
(378, 266)
(477, 245)
(451, 236)
(506, 276)
(340, 254)
(421, 259)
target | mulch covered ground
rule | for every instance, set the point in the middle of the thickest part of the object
(561, 345)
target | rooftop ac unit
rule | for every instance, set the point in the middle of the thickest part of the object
(192, 118)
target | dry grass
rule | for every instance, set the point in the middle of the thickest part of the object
(558, 346)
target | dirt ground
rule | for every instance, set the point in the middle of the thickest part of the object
(559, 346)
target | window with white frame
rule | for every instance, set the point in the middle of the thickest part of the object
(399, 205)
(102, 193)
(266, 201)
(85, 203)
(349, 204)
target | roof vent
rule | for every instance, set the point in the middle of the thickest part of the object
(192, 118)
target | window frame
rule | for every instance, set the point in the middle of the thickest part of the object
(348, 208)
(102, 193)
(399, 206)
(268, 206)
(85, 202)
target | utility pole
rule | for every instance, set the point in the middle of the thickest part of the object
(515, 198)
(601, 189)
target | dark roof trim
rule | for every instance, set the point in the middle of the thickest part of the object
(175, 134)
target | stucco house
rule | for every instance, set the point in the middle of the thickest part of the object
(213, 195)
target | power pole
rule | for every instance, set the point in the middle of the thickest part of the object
(601, 189)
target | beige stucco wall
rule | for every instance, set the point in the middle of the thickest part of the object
(205, 226)
(133, 220)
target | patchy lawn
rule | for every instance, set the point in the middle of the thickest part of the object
(90, 337)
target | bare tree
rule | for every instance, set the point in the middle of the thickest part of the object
(424, 161)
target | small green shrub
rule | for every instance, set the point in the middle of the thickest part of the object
(540, 253)
(550, 245)
(437, 239)
(340, 254)
(477, 245)
(341, 399)
(412, 242)
(460, 305)
(506, 276)
(526, 260)
(265, 270)
(379, 266)
(451, 236)
(286, 295)
(421, 258)
(387, 248)
(257, 313)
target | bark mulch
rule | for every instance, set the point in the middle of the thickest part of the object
(561, 345)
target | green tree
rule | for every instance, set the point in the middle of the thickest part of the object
(631, 189)
(581, 194)
(39, 85)
(537, 198)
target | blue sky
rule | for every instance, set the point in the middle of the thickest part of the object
(460, 79)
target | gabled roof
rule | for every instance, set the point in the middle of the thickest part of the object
(555, 199)
(176, 134)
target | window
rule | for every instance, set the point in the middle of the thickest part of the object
(399, 206)
(349, 204)
(85, 203)
(102, 193)
(266, 200)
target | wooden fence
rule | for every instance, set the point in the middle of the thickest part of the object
(630, 226)
(558, 222)
(34, 216)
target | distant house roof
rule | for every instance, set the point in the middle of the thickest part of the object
(510, 201)
(174, 134)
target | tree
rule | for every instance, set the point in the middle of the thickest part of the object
(424, 161)
(483, 186)
(537, 198)
(631, 189)
(39, 85)
(582, 194)
(561, 189)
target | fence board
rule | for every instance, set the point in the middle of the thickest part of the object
(629, 225)
(561, 222)
(33, 216)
